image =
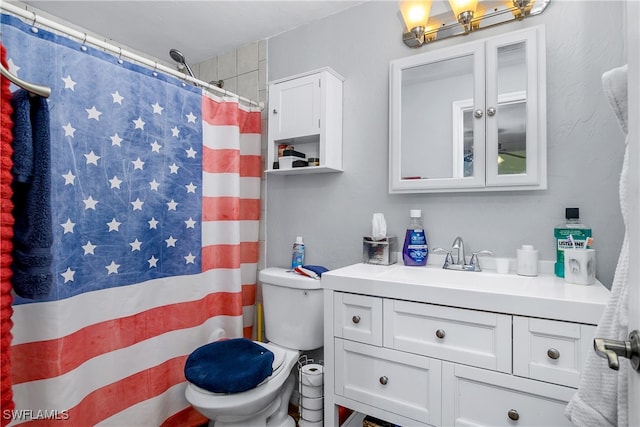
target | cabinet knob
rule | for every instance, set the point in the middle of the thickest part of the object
(384, 380)
(553, 353)
(491, 111)
(478, 113)
(355, 319)
(513, 415)
(440, 333)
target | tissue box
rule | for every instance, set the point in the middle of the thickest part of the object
(380, 252)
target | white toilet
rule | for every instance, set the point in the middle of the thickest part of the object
(293, 314)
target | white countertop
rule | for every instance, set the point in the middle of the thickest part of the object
(544, 296)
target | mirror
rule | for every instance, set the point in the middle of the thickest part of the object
(511, 111)
(469, 117)
(512, 153)
(428, 92)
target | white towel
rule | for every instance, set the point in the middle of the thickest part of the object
(602, 398)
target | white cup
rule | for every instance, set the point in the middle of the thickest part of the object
(527, 261)
(502, 265)
(580, 266)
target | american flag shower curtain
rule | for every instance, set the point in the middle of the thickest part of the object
(155, 204)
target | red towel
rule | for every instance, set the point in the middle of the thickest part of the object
(6, 236)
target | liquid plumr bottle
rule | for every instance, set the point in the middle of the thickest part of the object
(574, 228)
(297, 256)
(415, 249)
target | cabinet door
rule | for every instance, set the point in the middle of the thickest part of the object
(401, 383)
(358, 318)
(430, 147)
(295, 108)
(477, 397)
(550, 350)
(515, 112)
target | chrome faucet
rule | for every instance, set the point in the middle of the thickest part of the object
(458, 247)
(460, 261)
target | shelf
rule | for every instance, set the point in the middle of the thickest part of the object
(303, 170)
(354, 420)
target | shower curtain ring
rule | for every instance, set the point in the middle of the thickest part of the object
(155, 67)
(34, 29)
(120, 61)
(83, 47)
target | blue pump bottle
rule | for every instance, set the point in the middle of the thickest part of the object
(415, 249)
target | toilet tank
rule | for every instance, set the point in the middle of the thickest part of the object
(293, 309)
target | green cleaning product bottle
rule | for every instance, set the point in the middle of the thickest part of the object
(574, 228)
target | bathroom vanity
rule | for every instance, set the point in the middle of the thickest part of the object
(427, 346)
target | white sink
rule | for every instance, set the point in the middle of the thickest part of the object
(432, 275)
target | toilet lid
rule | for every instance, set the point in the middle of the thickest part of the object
(278, 356)
(229, 366)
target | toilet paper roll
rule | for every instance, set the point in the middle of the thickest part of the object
(312, 403)
(305, 423)
(311, 415)
(311, 391)
(312, 375)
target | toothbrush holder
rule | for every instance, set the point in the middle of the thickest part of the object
(580, 266)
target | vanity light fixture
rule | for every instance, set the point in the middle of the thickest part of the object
(464, 16)
(464, 10)
(415, 14)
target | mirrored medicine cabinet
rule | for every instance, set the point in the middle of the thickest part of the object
(471, 117)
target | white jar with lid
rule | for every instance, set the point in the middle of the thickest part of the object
(527, 261)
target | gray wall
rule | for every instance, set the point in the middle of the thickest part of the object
(585, 146)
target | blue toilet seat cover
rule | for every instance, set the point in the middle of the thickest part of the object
(229, 366)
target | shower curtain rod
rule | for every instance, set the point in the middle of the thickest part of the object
(29, 15)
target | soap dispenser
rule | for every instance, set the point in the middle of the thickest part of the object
(415, 250)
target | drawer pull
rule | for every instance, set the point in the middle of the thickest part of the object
(384, 380)
(355, 319)
(553, 353)
(513, 415)
(440, 333)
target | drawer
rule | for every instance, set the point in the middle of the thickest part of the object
(550, 350)
(478, 397)
(471, 337)
(401, 383)
(358, 318)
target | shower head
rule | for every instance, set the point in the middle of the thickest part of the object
(177, 56)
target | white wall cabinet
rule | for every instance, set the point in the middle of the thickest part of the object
(471, 117)
(427, 361)
(305, 112)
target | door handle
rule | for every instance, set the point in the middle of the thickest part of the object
(612, 349)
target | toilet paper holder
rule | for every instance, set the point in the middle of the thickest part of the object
(310, 392)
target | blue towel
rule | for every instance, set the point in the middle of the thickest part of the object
(318, 269)
(229, 366)
(33, 234)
